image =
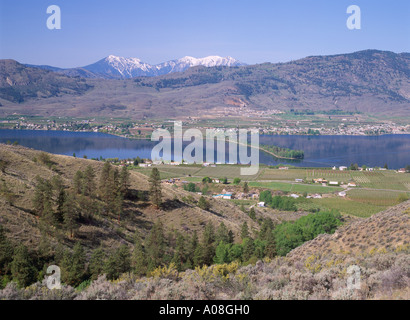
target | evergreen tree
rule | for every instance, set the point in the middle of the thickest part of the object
(270, 250)
(222, 234)
(110, 267)
(198, 259)
(203, 204)
(42, 200)
(124, 259)
(248, 249)
(104, 177)
(244, 231)
(245, 188)
(231, 237)
(60, 201)
(6, 252)
(124, 181)
(88, 188)
(208, 244)
(118, 205)
(155, 246)
(192, 245)
(179, 254)
(70, 215)
(22, 268)
(96, 265)
(252, 214)
(266, 229)
(155, 187)
(76, 269)
(78, 182)
(138, 259)
(222, 253)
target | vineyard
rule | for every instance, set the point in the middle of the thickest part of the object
(287, 175)
(382, 180)
(375, 197)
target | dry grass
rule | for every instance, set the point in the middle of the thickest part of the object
(179, 214)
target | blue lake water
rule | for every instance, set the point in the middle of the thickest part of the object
(320, 151)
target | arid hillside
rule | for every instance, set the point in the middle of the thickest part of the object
(370, 82)
(178, 212)
(378, 247)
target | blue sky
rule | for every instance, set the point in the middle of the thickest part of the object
(159, 30)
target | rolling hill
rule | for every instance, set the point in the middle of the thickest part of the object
(372, 82)
(23, 225)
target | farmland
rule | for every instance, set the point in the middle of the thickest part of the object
(380, 198)
(374, 192)
(294, 187)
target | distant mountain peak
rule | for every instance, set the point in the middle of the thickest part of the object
(119, 67)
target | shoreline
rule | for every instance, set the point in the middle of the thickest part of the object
(271, 135)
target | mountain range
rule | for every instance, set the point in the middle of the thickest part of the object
(372, 82)
(113, 67)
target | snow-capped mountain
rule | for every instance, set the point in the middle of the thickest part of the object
(113, 67)
(119, 67)
(188, 62)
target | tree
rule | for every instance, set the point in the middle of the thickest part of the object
(6, 252)
(155, 187)
(289, 235)
(208, 246)
(252, 214)
(179, 257)
(104, 177)
(124, 181)
(245, 188)
(198, 259)
(191, 187)
(138, 259)
(70, 215)
(222, 234)
(60, 201)
(203, 204)
(236, 181)
(386, 166)
(22, 268)
(124, 259)
(155, 246)
(42, 199)
(89, 181)
(6, 193)
(192, 245)
(78, 182)
(206, 180)
(270, 250)
(235, 252)
(222, 253)
(248, 249)
(244, 231)
(74, 266)
(96, 265)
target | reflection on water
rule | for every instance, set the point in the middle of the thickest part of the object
(320, 151)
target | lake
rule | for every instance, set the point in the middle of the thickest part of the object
(320, 151)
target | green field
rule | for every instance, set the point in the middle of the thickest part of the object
(294, 187)
(344, 206)
(381, 198)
